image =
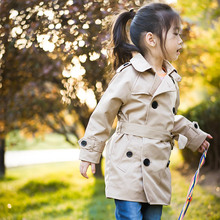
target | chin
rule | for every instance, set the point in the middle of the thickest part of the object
(174, 58)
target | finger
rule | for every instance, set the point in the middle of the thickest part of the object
(209, 136)
(83, 169)
(200, 149)
(203, 147)
(206, 145)
(93, 168)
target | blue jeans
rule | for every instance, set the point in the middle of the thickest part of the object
(126, 210)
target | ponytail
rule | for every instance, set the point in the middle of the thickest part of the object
(156, 18)
(122, 49)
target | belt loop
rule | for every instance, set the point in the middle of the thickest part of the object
(172, 144)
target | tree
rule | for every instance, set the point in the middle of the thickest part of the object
(47, 47)
(27, 73)
(201, 49)
(201, 59)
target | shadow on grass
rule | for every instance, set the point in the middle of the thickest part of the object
(7, 178)
(53, 213)
(100, 207)
(34, 187)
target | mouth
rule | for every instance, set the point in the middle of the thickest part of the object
(179, 50)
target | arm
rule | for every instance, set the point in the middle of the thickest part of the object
(186, 132)
(100, 122)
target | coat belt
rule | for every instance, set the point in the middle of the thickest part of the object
(143, 131)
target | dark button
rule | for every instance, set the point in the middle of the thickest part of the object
(84, 143)
(154, 104)
(195, 125)
(168, 163)
(129, 154)
(174, 111)
(146, 162)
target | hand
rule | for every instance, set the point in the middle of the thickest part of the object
(205, 145)
(84, 165)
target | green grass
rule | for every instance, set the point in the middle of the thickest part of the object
(52, 191)
(16, 141)
(57, 191)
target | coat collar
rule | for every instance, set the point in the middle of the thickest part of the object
(141, 65)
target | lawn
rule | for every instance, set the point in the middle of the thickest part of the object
(17, 141)
(57, 191)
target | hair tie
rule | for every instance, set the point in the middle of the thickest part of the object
(132, 13)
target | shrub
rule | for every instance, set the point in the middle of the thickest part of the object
(208, 117)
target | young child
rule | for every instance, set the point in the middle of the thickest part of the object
(144, 95)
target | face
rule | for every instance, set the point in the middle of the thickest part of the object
(173, 43)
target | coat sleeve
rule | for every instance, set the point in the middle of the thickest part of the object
(188, 133)
(101, 120)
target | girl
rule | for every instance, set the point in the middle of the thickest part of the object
(144, 95)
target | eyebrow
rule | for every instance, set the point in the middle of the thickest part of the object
(178, 29)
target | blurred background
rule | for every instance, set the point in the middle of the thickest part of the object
(54, 69)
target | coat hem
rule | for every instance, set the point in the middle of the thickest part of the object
(109, 196)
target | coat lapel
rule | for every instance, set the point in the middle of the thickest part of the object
(156, 83)
(167, 85)
(159, 86)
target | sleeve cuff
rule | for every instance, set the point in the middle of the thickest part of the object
(90, 156)
(91, 149)
(196, 136)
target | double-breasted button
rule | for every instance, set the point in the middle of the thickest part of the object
(129, 154)
(83, 143)
(154, 104)
(174, 110)
(195, 125)
(146, 162)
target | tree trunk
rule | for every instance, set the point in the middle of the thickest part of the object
(98, 173)
(2, 157)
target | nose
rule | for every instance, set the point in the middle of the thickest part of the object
(180, 40)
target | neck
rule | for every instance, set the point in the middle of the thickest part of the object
(155, 62)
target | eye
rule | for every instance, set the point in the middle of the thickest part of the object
(176, 34)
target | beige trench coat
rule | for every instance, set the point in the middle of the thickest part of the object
(137, 154)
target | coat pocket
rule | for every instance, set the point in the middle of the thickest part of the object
(165, 179)
(118, 147)
(127, 155)
(142, 100)
(155, 157)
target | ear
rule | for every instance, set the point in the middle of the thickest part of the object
(150, 39)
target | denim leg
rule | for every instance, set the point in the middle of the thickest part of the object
(126, 210)
(152, 212)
